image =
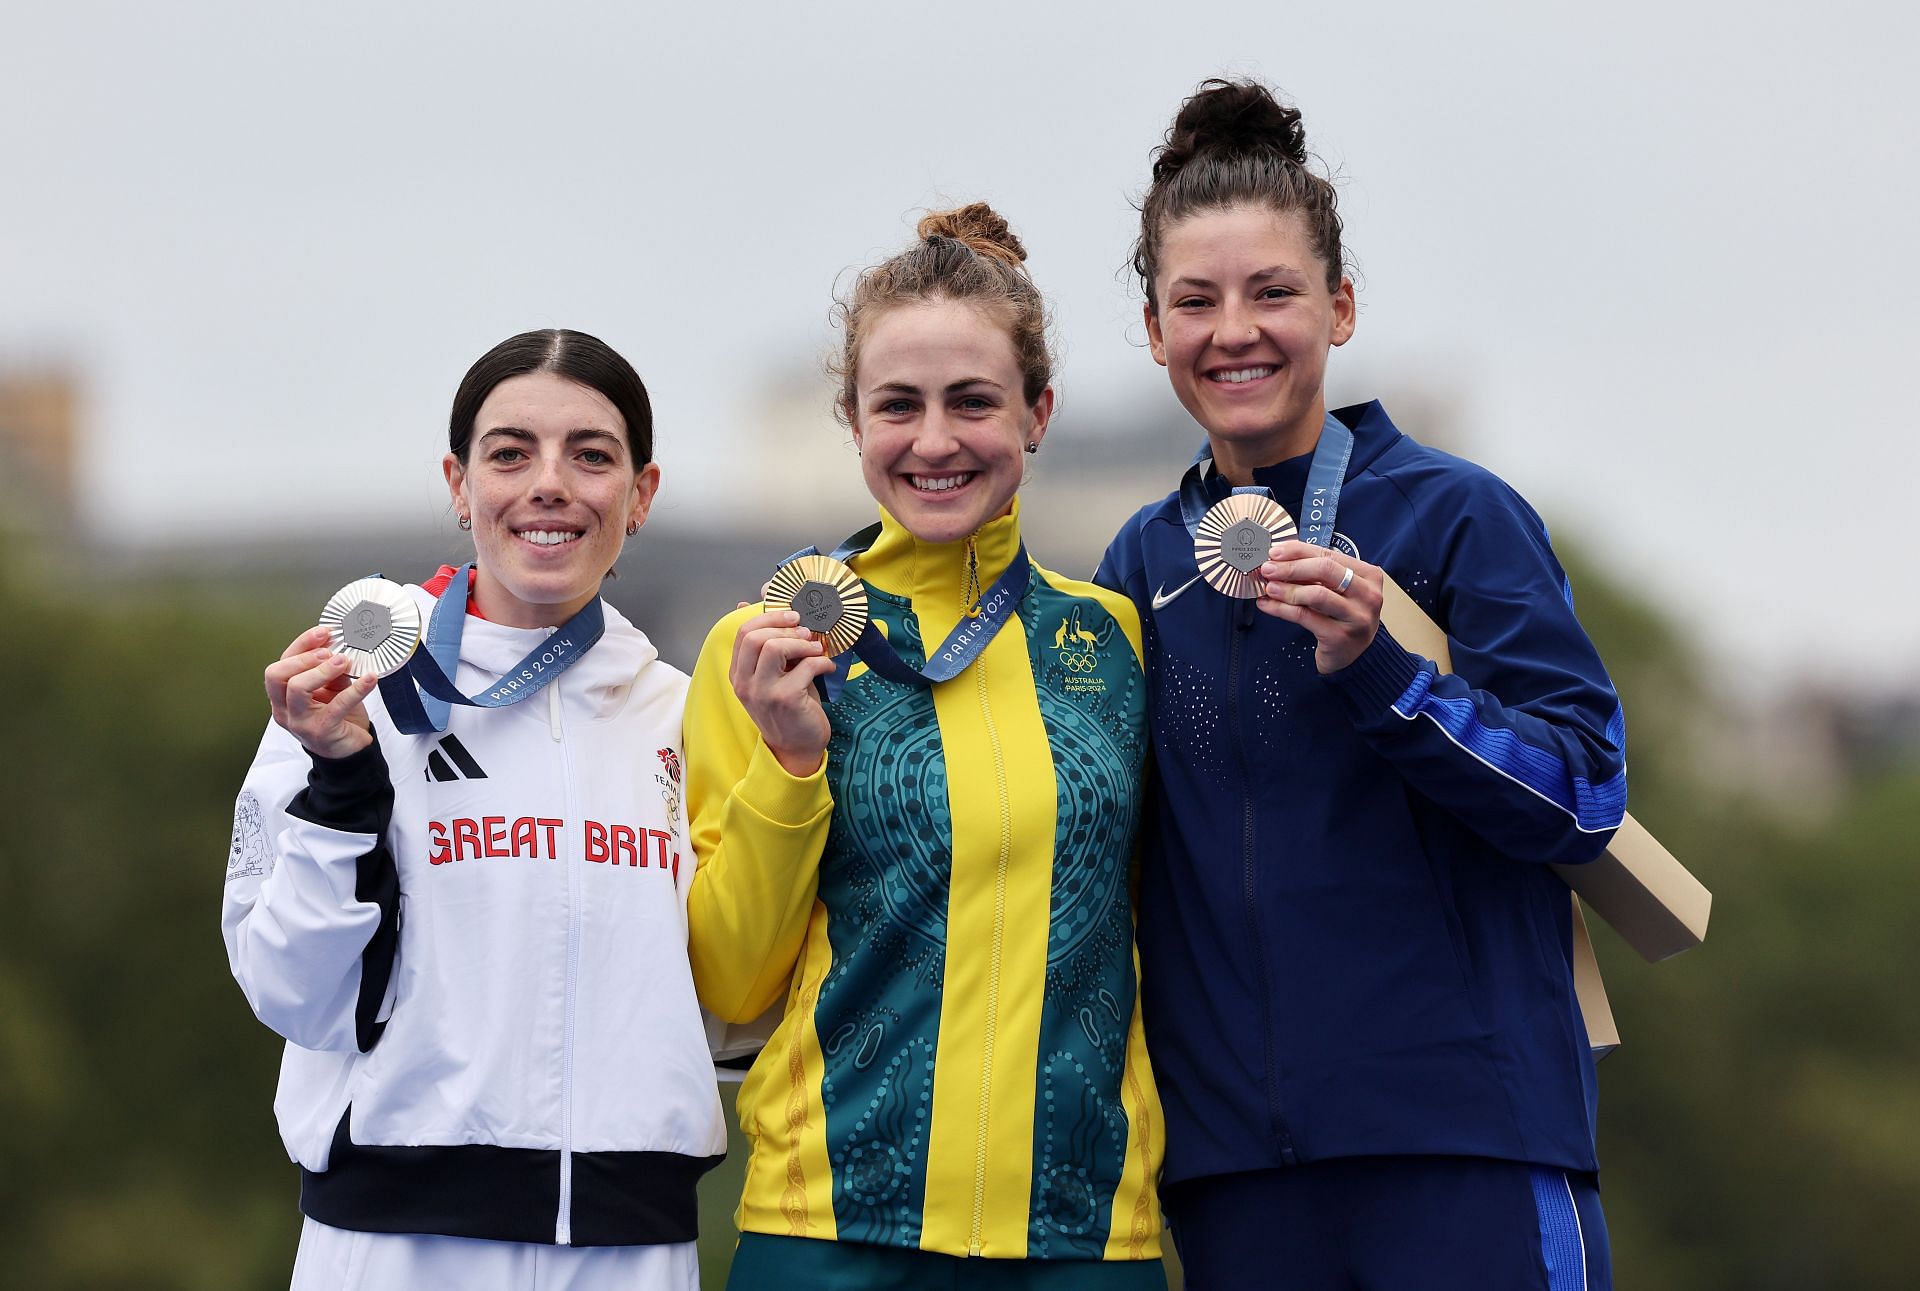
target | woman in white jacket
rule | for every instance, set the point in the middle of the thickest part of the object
(473, 938)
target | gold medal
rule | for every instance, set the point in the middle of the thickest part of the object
(375, 624)
(829, 598)
(1235, 537)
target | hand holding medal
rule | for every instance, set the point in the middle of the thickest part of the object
(1334, 596)
(316, 698)
(1299, 577)
(318, 687)
(816, 608)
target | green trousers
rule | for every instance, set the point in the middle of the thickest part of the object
(763, 1261)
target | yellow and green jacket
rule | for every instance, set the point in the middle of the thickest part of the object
(946, 909)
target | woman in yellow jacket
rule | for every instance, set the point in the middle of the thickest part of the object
(931, 864)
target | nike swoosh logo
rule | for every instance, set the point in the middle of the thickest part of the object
(1164, 598)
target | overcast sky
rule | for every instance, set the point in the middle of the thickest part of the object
(1658, 260)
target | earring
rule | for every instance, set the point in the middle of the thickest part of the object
(1033, 446)
(466, 522)
(633, 527)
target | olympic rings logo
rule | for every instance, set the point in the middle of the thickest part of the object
(1077, 648)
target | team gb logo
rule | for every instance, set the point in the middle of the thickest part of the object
(670, 782)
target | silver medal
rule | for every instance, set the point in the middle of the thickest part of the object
(375, 624)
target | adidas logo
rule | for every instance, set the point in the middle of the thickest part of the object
(463, 768)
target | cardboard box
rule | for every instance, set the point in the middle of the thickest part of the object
(1643, 893)
(1590, 991)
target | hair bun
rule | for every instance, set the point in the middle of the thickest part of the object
(978, 226)
(1232, 117)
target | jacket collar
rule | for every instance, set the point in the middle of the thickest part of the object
(933, 575)
(1373, 434)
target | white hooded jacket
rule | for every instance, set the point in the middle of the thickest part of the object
(475, 946)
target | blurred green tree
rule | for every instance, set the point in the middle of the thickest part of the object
(141, 1151)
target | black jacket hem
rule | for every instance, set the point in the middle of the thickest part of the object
(505, 1194)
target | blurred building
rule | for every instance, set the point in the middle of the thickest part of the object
(39, 444)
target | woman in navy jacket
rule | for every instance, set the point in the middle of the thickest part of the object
(1356, 960)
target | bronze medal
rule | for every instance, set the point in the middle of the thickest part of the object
(1234, 539)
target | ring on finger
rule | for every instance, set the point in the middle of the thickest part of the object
(1346, 581)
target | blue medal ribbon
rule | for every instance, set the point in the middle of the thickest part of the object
(967, 642)
(1321, 502)
(431, 667)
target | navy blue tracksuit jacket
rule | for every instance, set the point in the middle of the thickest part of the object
(1351, 942)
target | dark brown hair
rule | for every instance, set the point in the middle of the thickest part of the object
(1234, 144)
(967, 254)
(576, 356)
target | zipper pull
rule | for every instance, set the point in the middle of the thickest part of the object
(553, 700)
(970, 594)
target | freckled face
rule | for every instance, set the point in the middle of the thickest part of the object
(1243, 327)
(550, 485)
(940, 418)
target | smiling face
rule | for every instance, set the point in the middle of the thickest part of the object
(550, 486)
(940, 419)
(1243, 325)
